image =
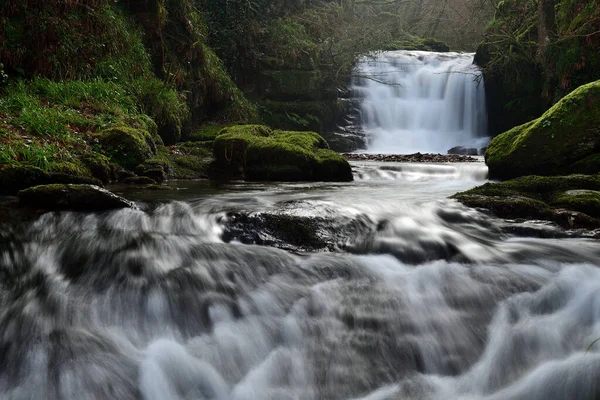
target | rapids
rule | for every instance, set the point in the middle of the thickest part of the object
(413, 297)
(415, 101)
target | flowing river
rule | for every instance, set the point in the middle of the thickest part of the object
(377, 289)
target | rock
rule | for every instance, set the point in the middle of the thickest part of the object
(258, 153)
(565, 140)
(541, 198)
(463, 151)
(586, 201)
(15, 178)
(18, 177)
(72, 197)
(127, 146)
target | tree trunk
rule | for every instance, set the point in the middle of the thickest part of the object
(546, 24)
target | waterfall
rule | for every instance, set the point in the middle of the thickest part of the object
(415, 101)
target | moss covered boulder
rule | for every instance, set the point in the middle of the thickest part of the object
(571, 201)
(565, 140)
(72, 197)
(127, 146)
(255, 152)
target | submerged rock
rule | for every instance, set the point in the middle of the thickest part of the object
(565, 140)
(72, 197)
(257, 153)
(463, 151)
(570, 201)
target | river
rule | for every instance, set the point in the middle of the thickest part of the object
(382, 289)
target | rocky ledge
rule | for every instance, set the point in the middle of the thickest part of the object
(572, 202)
(412, 158)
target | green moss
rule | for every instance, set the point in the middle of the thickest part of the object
(540, 187)
(126, 146)
(99, 166)
(550, 145)
(204, 133)
(178, 162)
(541, 197)
(69, 168)
(586, 201)
(332, 166)
(258, 153)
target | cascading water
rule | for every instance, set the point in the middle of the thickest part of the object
(391, 292)
(414, 101)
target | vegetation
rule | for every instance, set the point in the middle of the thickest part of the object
(524, 76)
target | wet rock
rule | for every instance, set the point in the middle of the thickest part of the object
(19, 177)
(463, 151)
(573, 201)
(72, 197)
(412, 158)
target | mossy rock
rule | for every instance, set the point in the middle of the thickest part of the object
(127, 146)
(185, 161)
(257, 153)
(586, 201)
(571, 201)
(18, 177)
(72, 197)
(560, 142)
(204, 134)
(99, 166)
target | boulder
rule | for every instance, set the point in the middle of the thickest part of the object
(565, 140)
(570, 201)
(14, 178)
(257, 153)
(127, 146)
(72, 197)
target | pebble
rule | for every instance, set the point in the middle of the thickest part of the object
(416, 157)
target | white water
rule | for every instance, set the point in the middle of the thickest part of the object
(421, 299)
(416, 101)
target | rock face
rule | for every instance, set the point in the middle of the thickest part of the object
(565, 140)
(570, 201)
(257, 153)
(72, 197)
